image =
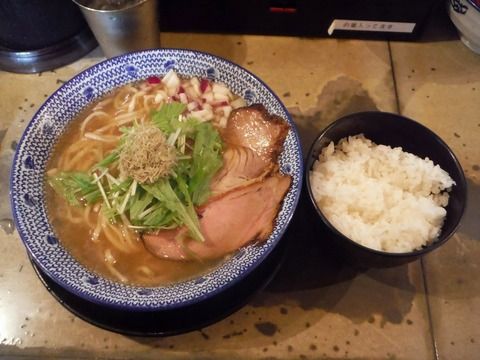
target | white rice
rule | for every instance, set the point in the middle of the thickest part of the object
(381, 197)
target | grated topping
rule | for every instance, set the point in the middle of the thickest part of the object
(146, 155)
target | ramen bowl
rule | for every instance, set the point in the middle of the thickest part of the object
(28, 180)
(395, 131)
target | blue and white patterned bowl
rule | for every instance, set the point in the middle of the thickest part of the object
(28, 179)
(465, 15)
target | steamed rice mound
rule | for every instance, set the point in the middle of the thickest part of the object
(381, 197)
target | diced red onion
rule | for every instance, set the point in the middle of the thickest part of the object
(208, 96)
(153, 80)
(219, 103)
(192, 106)
(237, 103)
(204, 83)
(183, 98)
(221, 89)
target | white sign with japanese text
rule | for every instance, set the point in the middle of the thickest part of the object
(365, 25)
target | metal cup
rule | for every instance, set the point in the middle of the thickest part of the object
(130, 28)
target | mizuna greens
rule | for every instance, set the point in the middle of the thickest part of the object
(194, 150)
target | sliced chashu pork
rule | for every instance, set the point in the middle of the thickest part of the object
(253, 140)
(227, 222)
(241, 166)
(254, 128)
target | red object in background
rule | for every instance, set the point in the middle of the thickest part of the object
(283, 10)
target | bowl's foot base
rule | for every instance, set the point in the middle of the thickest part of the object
(472, 46)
